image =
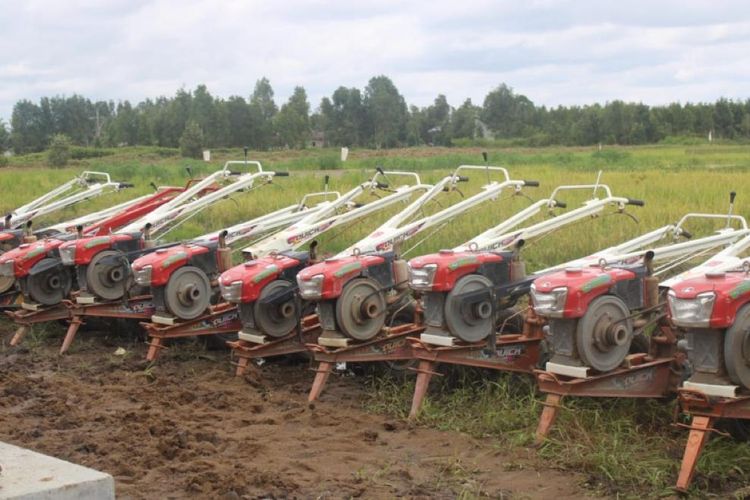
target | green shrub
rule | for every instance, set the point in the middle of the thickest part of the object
(79, 153)
(191, 142)
(59, 150)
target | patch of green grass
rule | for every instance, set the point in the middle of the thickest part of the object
(625, 447)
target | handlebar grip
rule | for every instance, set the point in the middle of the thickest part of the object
(379, 170)
(561, 204)
(732, 195)
(282, 174)
(123, 185)
(235, 172)
(686, 234)
(637, 203)
(382, 185)
(463, 178)
(531, 183)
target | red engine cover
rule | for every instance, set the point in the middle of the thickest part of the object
(453, 265)
(337, 272)
(732, 292)
(28, 254)
(88, 247)
(584, 285)
(165, 261)
(256, 274)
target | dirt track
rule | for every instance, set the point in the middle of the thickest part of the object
(188, 428)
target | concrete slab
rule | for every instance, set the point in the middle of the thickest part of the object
(27, 475)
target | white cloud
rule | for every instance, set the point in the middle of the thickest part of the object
(554, 51)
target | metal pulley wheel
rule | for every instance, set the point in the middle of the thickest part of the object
(361, 309)
(603, 334)
(6, 283)
(106, 275)
(470, 322)
(737, 348)
(51, 286)
(277, 319)
(188, 293)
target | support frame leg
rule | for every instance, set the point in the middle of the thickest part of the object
(425, 370)
(155, 345)
(319, 383)
(70, 335)
(547, 418)
(21, 332)
(242, 364)
(697, 438)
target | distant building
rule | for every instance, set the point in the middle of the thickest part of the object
(317, 140)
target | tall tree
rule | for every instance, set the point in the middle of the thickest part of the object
(262, 110)
(293, 120)
(4, 137)
(463, 121)
(506, 113)
(387, 112)
(29, 132)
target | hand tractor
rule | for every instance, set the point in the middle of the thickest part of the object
(468, 294)
(102, 261)
(359, 289)
(16, 227)
(83, 187)
(710, 305)
(35, 266)
(27, 266)
(269, 269)
(608, 330)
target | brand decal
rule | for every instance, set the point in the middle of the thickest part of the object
(96, 242)
(296, 238)
(639, 377)
(173, 258)
(387, 245)
(596, 282)
(388, 347)
(37, 251)
(353, 266)
(463, 261)
(222, 321)
(740, 289)
(270, 270)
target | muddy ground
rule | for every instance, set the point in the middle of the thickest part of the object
(187, 427)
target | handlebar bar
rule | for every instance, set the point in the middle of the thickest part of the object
(86, 176)
(254, 163)
(386, 173)
(506, 176)
(739, 218)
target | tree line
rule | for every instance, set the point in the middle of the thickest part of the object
(377, 117)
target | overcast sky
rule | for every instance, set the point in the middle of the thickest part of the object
(553, 51)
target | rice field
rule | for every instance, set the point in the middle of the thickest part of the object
(627, 448)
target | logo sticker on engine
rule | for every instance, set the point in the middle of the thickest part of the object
(740, 289)
(596, 283)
